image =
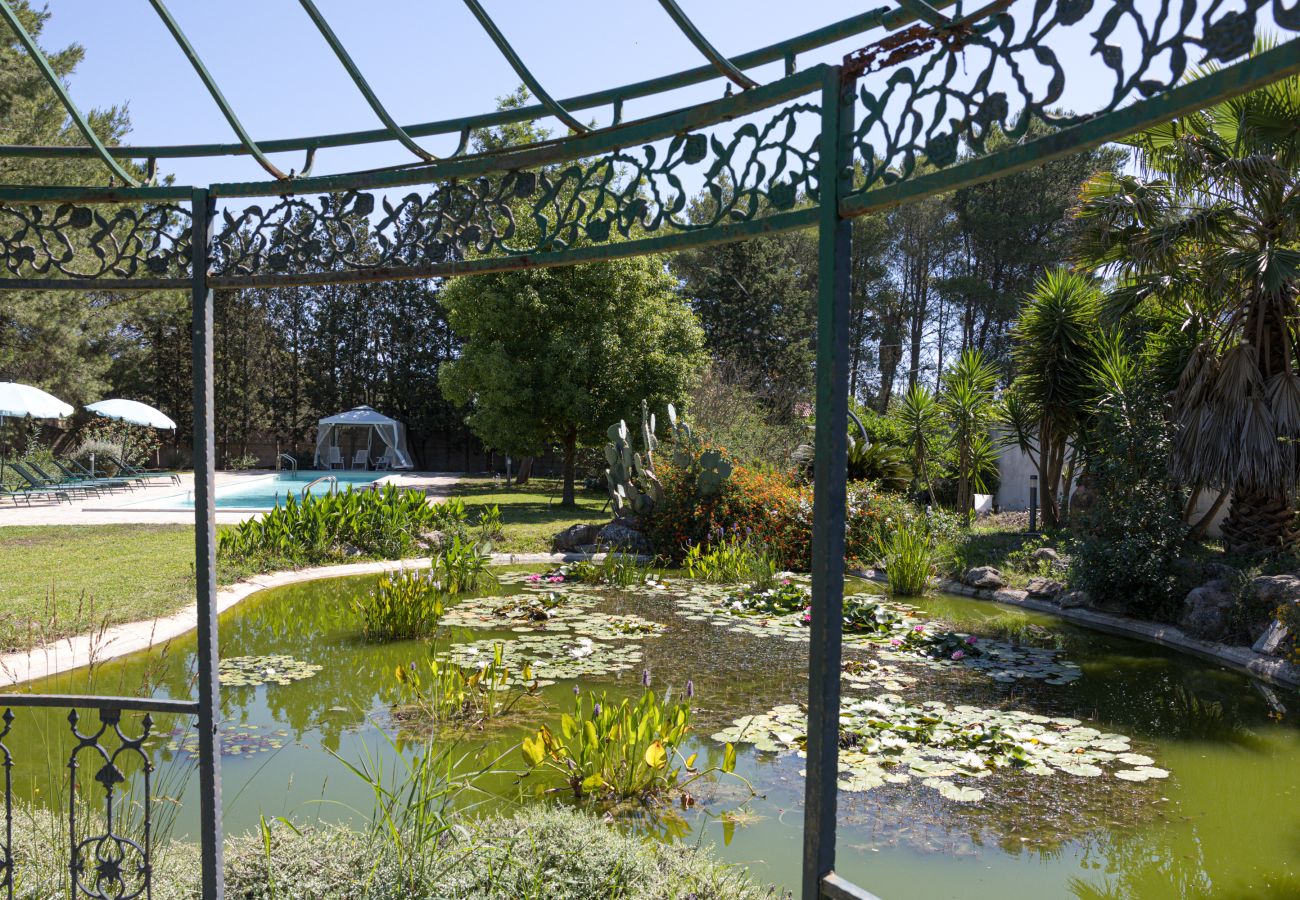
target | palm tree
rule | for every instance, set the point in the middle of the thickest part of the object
(1054, 348)
(1212, 223)
(969, 403)
(919, 414)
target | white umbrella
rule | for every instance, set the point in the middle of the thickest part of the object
(132, 412)
(17, 401)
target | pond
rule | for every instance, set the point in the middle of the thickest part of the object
(1149, 774)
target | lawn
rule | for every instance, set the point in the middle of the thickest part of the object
(531, 514)
(61, 580)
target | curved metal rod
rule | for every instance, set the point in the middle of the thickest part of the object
(925, 12)
(362, 85)
(521, 70)
(720, 62)
(215, 91)
(52, 77)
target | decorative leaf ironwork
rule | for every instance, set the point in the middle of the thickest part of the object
(934, 91)
(95, 241)
(757, 169)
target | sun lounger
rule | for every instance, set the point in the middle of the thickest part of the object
(37, 486)
(68, 479)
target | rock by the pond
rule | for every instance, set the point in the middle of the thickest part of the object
(984, 577)
(1276, 588)
(1271, 641)
(1074, 599)
(1044, 588)
(618, 535)
(1046, 554)
(575, 536)
(1206, 608)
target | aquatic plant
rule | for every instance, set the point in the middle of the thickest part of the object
(251, 671)
(888, 740)
(908, 554)
(490, 525)
(382, 524)
(785, 597)
(402, 606)
(619, 750)
(731, 561)
(445, 692)
(615, 569)
(460, 566)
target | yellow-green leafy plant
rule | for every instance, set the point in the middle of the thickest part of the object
(731, 561)
(443, 692)
(620, 750)
(402, 606)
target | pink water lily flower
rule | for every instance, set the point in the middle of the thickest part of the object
(919, 629)
(895, 642)
(971, 639)
(534, 578)
(555, 579)
(959, 654)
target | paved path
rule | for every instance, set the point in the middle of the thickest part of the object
(146, 505)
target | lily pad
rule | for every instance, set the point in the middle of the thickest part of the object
(251, 671)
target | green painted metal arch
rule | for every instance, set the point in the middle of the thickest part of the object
(696, 37)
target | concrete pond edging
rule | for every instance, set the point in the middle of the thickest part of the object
(117, 641)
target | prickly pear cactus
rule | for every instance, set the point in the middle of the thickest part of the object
(628, 467)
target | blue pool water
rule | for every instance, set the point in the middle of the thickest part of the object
(265, 492)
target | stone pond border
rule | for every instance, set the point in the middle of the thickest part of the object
(1241, 659)
(133, 637)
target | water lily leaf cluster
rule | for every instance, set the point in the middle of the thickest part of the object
(873, 675)
(567, 608)
(887, 739)
(1000, 660)
(237, 739)
(251, 671)
(550, 657)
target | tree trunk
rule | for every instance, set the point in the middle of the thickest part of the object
(1202, 525)
(570, 463)
(525, 471)
(1260, 522)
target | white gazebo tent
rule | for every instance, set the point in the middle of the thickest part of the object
(391, 432)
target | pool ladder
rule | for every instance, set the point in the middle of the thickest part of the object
(324, 478)
(293, 463)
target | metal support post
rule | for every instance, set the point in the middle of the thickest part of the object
(829, 489)
(205, 557)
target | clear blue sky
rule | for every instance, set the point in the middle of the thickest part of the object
(428, 59)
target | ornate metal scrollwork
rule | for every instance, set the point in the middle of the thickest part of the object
(1006, 71)
(756, 170)
(110, 865)
(95, 241)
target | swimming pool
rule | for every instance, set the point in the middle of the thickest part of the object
(269, 491)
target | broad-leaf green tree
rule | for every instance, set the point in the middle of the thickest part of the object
(1212, 221)
(557, 355)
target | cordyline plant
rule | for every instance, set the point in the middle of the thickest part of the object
(1209, 231)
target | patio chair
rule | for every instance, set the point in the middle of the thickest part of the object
(97, 485)
(361, 459)
(334, 458)
(386, 460)
(141, 475)
(37, 487)
(71, 475)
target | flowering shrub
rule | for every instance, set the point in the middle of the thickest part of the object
(774, 510)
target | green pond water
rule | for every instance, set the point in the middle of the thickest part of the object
(1224, 823)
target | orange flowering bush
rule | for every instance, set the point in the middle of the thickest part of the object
(772, 509)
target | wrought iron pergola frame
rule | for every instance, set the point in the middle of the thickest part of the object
(599, 193)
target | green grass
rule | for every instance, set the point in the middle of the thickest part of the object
(61, 580)
(531, 515)
(1005, 547)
